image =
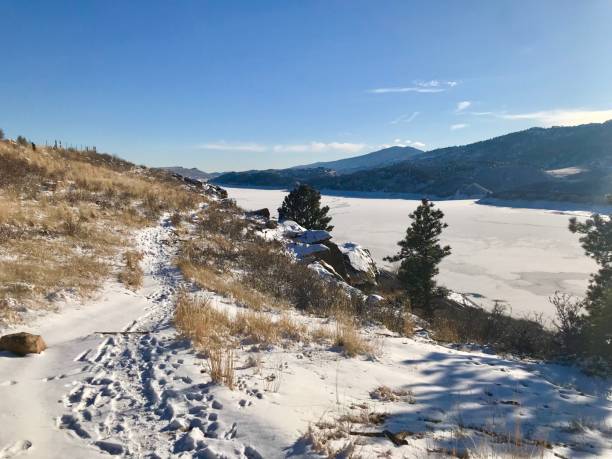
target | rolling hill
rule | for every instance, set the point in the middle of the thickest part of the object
(380, 158)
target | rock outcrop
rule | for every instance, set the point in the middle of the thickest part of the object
(22, 343)
(360, 267)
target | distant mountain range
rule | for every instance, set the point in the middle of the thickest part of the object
(193, 173)
(558, 163)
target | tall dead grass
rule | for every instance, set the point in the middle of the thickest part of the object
(132, 274)
(65, 215)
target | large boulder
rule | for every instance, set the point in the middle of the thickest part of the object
(334, 258)
(22, 343)
(360, 268)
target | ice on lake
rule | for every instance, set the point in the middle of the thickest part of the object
(515, 255)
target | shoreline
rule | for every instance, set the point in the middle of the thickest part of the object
(555, 206)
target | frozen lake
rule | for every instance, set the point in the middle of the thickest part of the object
(519, 256)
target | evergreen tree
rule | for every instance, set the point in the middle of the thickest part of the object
(303, 206)
(1, 134)
(421, 253)
(596, 240)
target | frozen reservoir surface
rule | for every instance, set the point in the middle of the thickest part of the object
(520, 256)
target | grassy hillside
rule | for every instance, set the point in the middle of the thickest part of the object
(66, 219)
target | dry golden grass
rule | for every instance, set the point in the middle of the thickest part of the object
(226, 285)
(221, 366)
(64, 216)
(132, 275)
(348, 337)
(445, 330)
(210, 328)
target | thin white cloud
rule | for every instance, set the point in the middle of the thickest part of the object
(406, 118)
(318, 147)
(463, 105)
(432, 86)
(225, 146)
(562, 117)
(311, 147)
(455, 127)
(558, 117)
(406, 89)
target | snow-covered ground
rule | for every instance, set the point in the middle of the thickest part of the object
(148, 394)
(517, 255)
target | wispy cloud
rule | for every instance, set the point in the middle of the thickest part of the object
(406, 118)
(557, 117)
(431, 86)
(319, 147)
(455, 127)
(310, 147)
(562, 117)
(463, 105)
(226, 146)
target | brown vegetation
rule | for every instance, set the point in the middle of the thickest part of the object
(132, 275)
(65, 214)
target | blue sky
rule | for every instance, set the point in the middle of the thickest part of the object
(234, 85)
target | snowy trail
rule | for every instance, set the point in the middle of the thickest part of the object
(90, 395)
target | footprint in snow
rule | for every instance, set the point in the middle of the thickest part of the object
(15, 449)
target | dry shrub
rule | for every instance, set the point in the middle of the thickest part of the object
(524, 336)
(445, 330)
(225, 285)
(322, 335)
(210, 328)
(221, 366)
(408, 324)
(386, 394)
(222, 221)
(332, 438)
(132, 274)
(350, 340)
(176, 219)
(207, 327)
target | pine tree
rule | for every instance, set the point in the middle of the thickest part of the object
(596, 241)
(1, 134)
(421, 253)
(303, 206)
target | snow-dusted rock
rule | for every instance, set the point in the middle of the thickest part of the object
(291, 229)
(361, 269)
(325, 270)
(303, 251)
(313, 236)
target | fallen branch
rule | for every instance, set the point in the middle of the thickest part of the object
(396, 438)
